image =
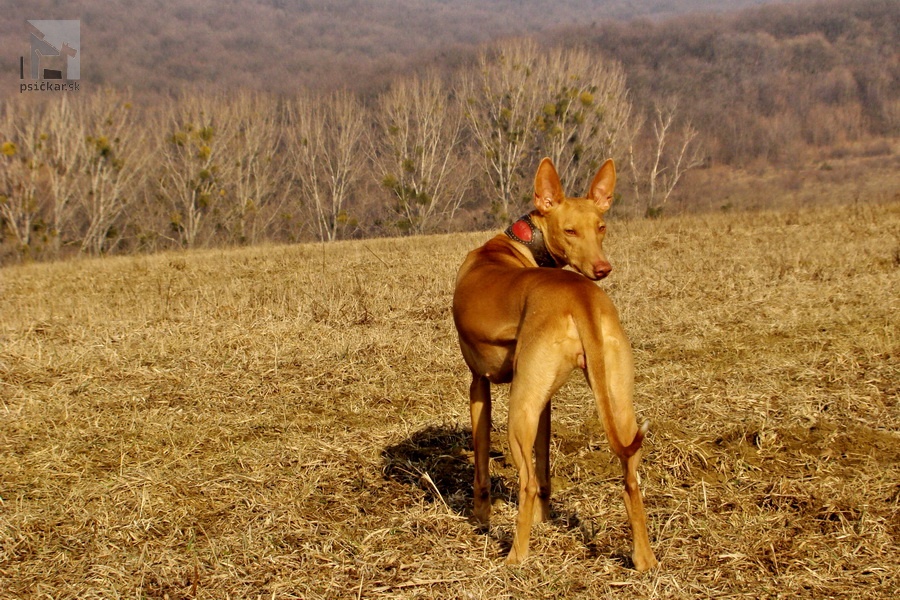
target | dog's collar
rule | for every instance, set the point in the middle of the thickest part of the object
(525, 232)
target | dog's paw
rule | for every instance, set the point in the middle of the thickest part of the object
(644, 563)
(515, 557)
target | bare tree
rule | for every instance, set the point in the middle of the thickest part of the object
(45, 170)
(419, 152)
(114, 154)
(325, 145)
(569, 104)
(20, 206)
(501, 99)
(63, 154)
(670, 154)
(253, 166)
(586, 114)
(193, 150)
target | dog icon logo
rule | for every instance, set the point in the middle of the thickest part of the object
(55, 50)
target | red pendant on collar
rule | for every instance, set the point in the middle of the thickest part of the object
(522, 231)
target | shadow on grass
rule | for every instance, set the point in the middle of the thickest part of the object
(438, 461)
(597, 545)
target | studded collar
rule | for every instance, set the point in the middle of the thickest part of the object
(526, 233)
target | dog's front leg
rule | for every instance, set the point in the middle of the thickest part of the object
(542, 460)
(480, 407)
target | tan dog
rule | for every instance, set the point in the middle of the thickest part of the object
(532, 327)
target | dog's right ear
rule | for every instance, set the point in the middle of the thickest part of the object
(548, 191)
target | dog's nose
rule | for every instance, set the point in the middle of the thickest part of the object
(602, 269)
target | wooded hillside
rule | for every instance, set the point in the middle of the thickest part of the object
(284, 45)
(798, 101)
(767, 82)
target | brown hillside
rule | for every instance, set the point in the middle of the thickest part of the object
(291, 422)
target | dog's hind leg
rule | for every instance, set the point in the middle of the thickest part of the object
(641, 555)
(610, 373)
(619, 379)
(480, 408)
(540, 369)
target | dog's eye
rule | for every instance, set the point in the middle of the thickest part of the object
(602, 229)
(571, 232)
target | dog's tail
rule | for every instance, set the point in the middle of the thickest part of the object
(589, 329)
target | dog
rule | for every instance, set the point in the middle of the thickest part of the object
(523, 320)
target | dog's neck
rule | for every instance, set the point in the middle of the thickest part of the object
(529, 235)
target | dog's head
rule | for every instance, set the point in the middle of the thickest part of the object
(573, 227)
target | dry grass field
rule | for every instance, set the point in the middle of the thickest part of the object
(292, 422)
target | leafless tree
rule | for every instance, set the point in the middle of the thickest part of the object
(252, 169)
(114, 154)
(670, 153)
(419, 152)
(62, 151)
(20, 206)
(193, 150)
(326, 152)
(502, 97)
(586, 115)
(568, 103)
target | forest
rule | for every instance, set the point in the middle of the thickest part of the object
(767, 82)
(688, 105)
(280, 46)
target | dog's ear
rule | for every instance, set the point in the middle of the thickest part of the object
(604, 185)
(548, 190)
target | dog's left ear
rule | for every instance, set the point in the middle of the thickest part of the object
(604, 185)
(548, 191)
